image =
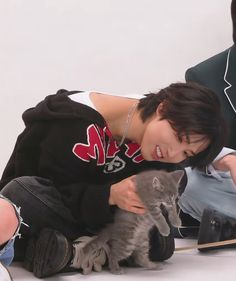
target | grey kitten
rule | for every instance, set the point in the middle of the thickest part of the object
(129, 234)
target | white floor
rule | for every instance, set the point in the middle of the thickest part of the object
(183, 265)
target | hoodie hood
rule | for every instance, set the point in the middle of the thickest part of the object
(60, 106)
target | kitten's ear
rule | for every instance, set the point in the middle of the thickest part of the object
(157, 184)
(177, 175)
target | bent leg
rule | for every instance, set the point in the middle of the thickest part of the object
(41, 207)
(207, 191)
(9, 228)
(8, 219)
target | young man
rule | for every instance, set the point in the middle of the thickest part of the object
(73, 164)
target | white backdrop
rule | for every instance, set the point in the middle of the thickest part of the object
(115, 46)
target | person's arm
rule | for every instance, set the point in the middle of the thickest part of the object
(93, 204)
(226, 161)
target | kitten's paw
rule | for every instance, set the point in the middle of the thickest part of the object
(154, 266)
(97, 267)
(117, 271)
(87, 271)
(175, 221)
(164, 231)
(146, 263)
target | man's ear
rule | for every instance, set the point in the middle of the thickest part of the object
(159, 109)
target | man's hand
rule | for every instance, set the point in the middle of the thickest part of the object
(227, 163)
(123, 194)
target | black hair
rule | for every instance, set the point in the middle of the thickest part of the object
(190, 109)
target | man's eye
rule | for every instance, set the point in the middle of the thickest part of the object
(186, 154)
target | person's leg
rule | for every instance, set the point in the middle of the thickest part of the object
(8, 219)
(9, 229)
(203, 191)
(42, 208)
(210, 199)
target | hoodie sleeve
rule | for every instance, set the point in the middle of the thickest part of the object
(89, 203)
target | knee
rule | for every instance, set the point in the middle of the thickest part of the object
(9, 221)
(11, 189)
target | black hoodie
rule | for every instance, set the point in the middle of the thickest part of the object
(70, 144)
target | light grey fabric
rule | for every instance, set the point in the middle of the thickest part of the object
(215, 189)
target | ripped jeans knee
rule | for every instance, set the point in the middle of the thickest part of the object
(7, 251)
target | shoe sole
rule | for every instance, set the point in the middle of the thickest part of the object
(52, 253)
(29, 255)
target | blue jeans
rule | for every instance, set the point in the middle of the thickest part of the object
(7, 252)
(215, 190)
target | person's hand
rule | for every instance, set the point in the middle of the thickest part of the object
(123, 194)
(227, 163)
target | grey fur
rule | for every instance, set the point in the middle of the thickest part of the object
(129, 234)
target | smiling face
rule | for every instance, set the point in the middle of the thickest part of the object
(179, 121)
(161, 143)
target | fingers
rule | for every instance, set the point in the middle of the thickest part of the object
(134, 204)
(136, 210)
(123, 194)
(133, 197)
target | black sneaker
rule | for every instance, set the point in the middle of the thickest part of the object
(161, 247)
(49, 254)
(215, 227)
(29, 254)
(189, 227)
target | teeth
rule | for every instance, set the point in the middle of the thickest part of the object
(159, 154)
